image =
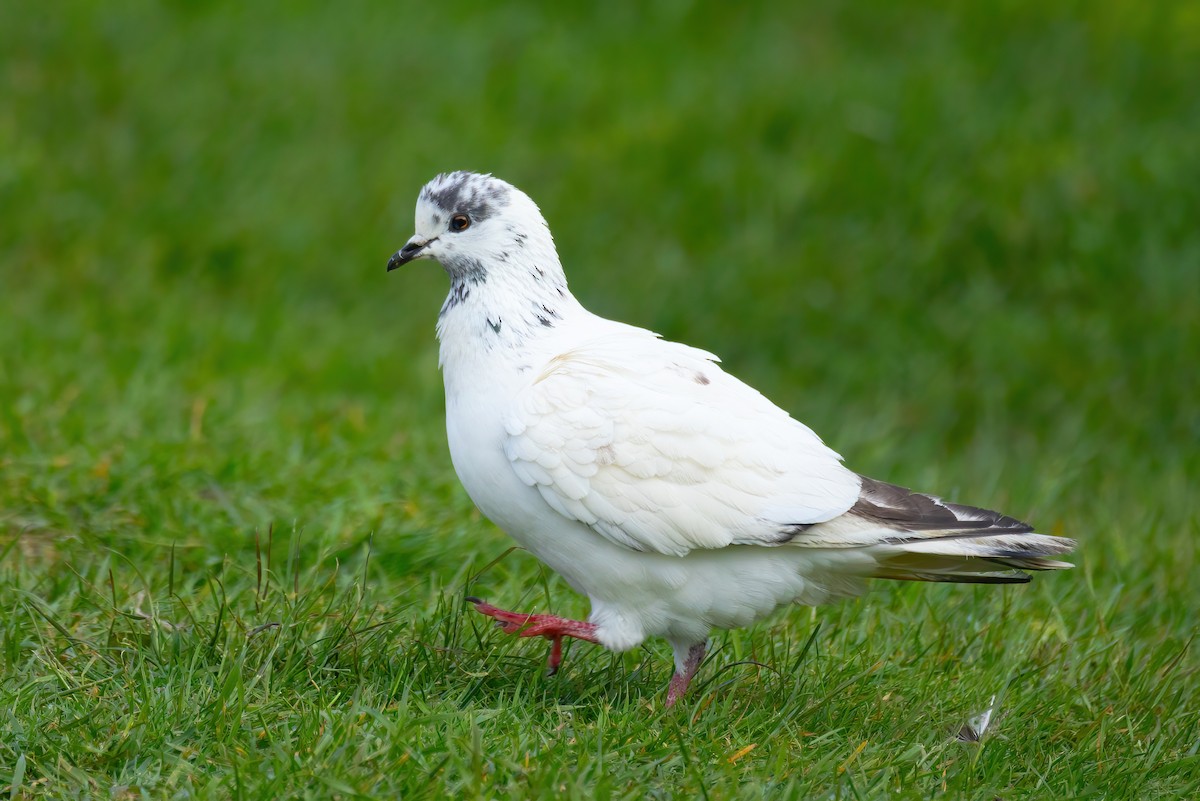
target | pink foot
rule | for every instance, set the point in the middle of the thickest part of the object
(683, 674)
(552, 627)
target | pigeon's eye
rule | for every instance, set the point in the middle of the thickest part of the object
(460, 222)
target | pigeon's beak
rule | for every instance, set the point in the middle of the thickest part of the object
(411, 250)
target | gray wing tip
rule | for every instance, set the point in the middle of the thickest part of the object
(905, 510)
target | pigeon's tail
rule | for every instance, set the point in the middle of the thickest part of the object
(981, 558)
(915, 537)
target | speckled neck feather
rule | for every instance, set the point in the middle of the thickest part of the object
(508, 286)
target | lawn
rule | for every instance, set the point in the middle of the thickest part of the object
(961, 241)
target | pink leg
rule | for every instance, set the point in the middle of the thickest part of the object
(683, 676)
(552, 627)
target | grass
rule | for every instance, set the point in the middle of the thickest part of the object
(961, 243)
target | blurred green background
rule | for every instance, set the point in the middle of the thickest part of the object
(961, 241)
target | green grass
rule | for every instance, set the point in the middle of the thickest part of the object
(961, 244)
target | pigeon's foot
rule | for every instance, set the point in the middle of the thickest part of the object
(683, 676)
(552, 627)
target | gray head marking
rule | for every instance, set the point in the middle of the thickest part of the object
(476, 195)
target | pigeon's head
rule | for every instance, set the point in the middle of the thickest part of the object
(472, 223)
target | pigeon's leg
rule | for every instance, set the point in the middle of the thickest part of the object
(684, 672)
(552, 627)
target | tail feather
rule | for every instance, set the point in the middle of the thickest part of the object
(917, 537)
(995, 577)
(892, 562)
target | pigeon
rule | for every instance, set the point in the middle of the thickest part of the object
(674, 496)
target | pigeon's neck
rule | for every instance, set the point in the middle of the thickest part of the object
(505, 305)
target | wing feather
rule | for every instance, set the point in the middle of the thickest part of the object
(656, 448)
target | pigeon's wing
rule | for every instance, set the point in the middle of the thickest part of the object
(655, 447)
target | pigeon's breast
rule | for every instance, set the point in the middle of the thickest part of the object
(475, 431)
(478, 400)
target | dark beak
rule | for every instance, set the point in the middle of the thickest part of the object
(406, 254)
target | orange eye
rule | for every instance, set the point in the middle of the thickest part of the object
(460, 222)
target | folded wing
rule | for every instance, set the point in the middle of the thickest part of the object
(656, 448)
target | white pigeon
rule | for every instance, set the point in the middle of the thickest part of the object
(675, 497)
